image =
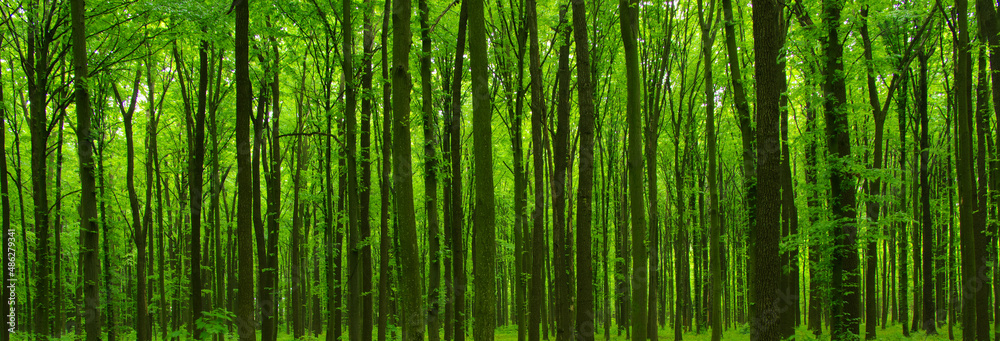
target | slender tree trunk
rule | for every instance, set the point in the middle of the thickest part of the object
(764, 234)
(715, 278)
(845, 312)
(929, 319)
(8, 234)
(244, 301)
(383, 278)
(874, 186)
(484, 222)
(455, 126)
(561, 259)
(88, 195)
(536, 286)
(585, 98)
(966, 183)
(430, 176)
(364, 191)
(410, 285)
(629, 21)
(37, 70)
(269, 281)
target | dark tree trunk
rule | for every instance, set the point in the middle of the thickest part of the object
(484, 222)
(966, 184)
(430, 176)
(5, 204)
(383, 279)
(37, 69)
(561, 258)
(364, 191)
(244, 301)
(536, 287)
(845, 290)
(765, 234)
(928, 323)
(269, 280)
(629, 21)
(410, 285)
(88, 194)
(585, 98)
(455, 127)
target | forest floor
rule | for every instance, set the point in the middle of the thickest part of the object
(894, 332)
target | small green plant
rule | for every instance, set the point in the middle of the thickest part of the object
(214, 322)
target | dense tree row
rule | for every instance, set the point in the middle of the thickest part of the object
(572, 169)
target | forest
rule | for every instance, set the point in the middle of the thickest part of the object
(575, 170)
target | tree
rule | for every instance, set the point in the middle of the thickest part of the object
(561, 258)
(764, 234)
(244, 300)
(585, 97)
(715, 264)
(629, 17)
(966, 188)
(410, 285)
(484, 218)
(88, 195)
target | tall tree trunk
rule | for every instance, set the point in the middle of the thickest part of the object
(929, 321)
(139, 226)
(364, 191)
(764, 234)
(536, 287)
(874, 186)
(5, 207)
(902, 239)
(845, 312)
(455, 126)
(430, 176)
(966, 183)
(383, 278)
(269, 282)
(715, 264)
(629, 21)
(410, 285)
(484, 217)
(244, 301)
(585, 98)
(195, 174)
(37, 70)
(88, 195)
(981, 237)
(354, 262)
(561, 259)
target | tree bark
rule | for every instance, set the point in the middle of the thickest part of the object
(484, 216)
(561, 259)
(410, 285)
(764, 234)
(585, 98)
(629, 21)
(966, 184)
(430, 176)
(536, 286)
(88, 195)
(244, 302)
